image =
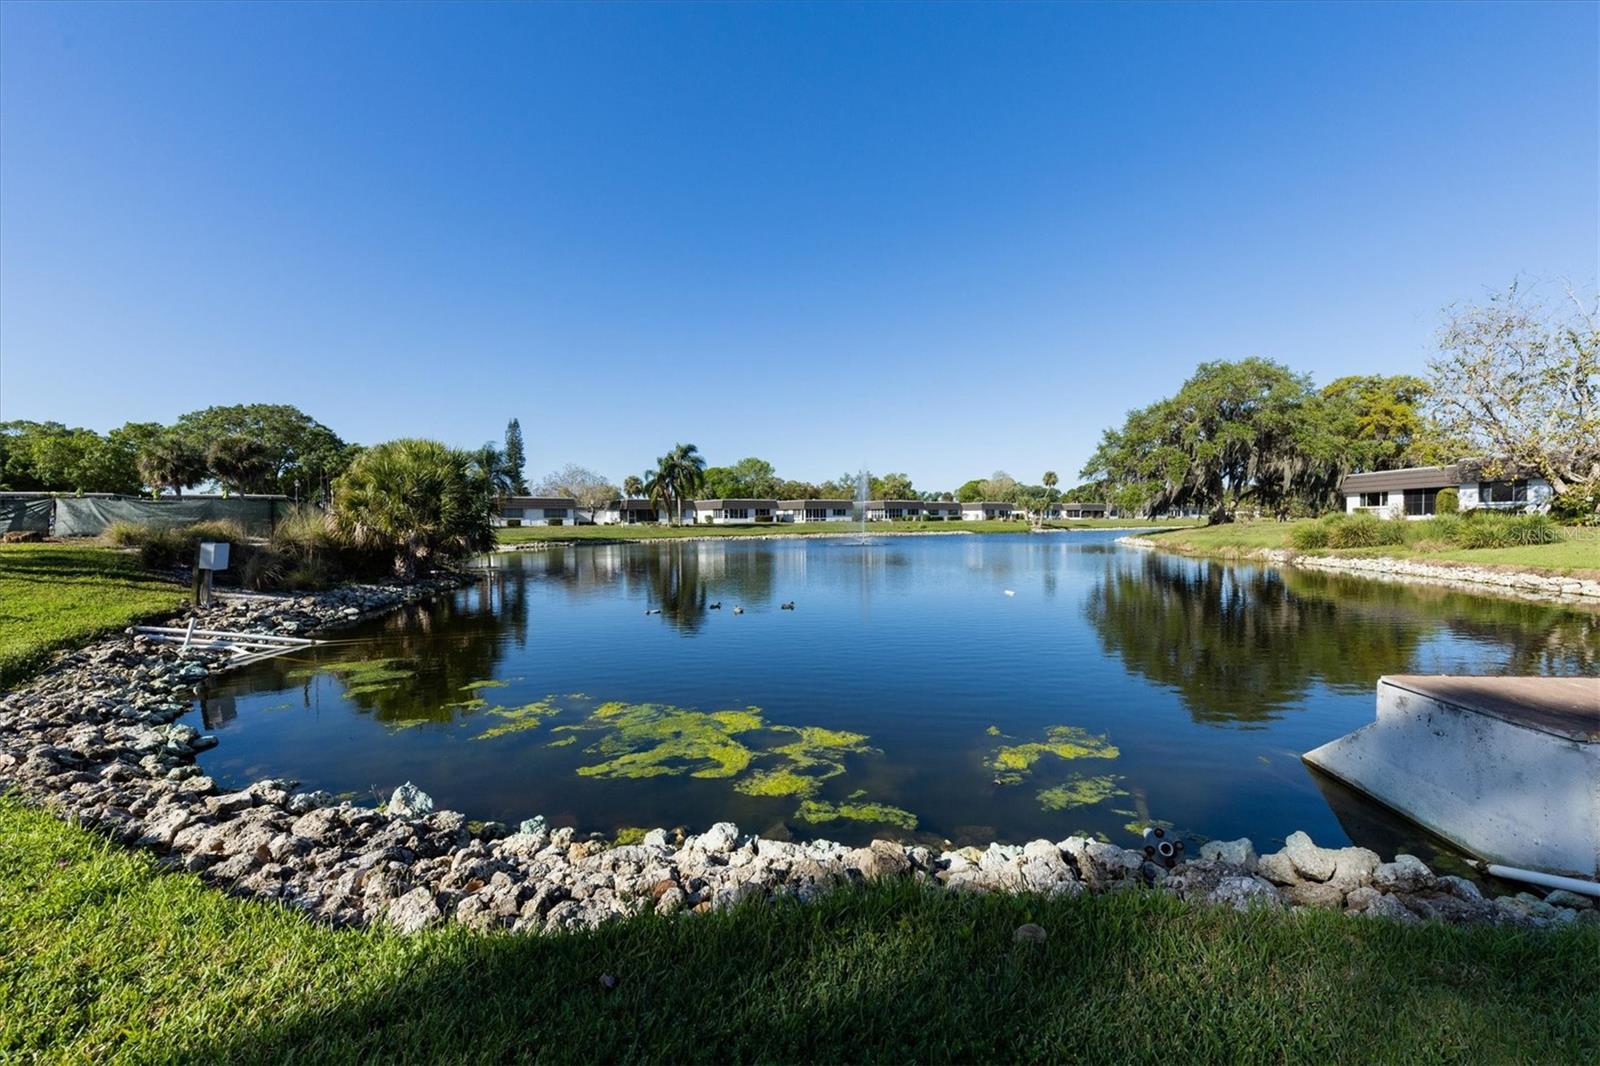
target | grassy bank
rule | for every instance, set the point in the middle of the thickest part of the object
(103, 957)
(1578, 553)
(55, 596)
(524, 534)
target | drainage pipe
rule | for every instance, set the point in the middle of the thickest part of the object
(1543, 880)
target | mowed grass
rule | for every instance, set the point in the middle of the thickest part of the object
(55, 596)
(105, 958)
(1577, 553)
(525, 534)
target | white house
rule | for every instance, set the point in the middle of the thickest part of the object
(536, 511)
(734, 512)
(1077, 510)
(1414, 491)
(816, 510)
(630, 512)
(978, 510)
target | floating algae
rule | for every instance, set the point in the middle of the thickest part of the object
(474, 704)
(473, 686)
(564, 742)
(651, 739)
(1080, 791)
(993, 731)
(367, 677)
(520, 719)
(879, 813)
(1014, 762)
(814, 756)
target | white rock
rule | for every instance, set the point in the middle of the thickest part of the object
(1239, 852)
(409, 801)
(1406, 874)
(1310, 860)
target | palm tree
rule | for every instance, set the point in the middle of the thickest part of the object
(416, 498)
(170, 461)
(632, 487)
(688, 474)
(1050, 482)
(491, 467)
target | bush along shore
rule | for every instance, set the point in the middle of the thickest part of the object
(1546, 588)
(95, 740)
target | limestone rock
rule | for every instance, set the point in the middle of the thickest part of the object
(409, 801)
(1315, 894)
(1239, 852)
(1242, 893)
(1406, 874)
(1276, 867)
(1571, 900)
(1310, 861)
(413, 911)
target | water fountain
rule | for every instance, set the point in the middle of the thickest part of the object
(863, 488)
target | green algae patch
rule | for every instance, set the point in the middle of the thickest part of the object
(1012, 763)
(1081, 791)
(520, 719)
(653, 739)
(564, 742)
(473, 686)
(367, 677)
(630, 834)
(816, 811)
(801, 765)
(475, 704)
(993, 731)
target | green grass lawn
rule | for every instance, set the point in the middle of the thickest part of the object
(104, 957)
(1578, 553)
(55, 596)
(524, 534)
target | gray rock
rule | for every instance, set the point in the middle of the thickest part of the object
(413, 911)
(1028, 933)
(1571, 900)
(718, 840)
(1360, 898)
(1239, 852)
(1353, 867)
(1242, 893)
(881, 859)
(1406, 874)
(1315, 894)
(534, 826)
(409, 801)
(1310, 861)
(1384, 906)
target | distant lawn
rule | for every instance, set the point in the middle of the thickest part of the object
(104, 957)
(524, 534)
(55, 596)
(1578, 553)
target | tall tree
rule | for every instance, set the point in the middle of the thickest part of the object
(242, 464)
(516, 458)
(591, 490)
(489, 466)
(418, 499)
(678, 475)
(1518, 384)
(171, 461)
(632, 487)
(304, 454)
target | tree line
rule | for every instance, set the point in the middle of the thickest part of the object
(1515, 384)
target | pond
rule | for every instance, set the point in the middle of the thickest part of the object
(963, 688)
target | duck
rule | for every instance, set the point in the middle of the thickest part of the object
(714, 606)
(786, 606)
(738, 610)
(653, 610)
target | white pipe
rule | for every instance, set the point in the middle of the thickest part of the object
(1544, 880)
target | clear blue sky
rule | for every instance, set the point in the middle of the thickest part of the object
(933, 239)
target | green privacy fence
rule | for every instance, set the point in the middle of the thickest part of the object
(88, 516)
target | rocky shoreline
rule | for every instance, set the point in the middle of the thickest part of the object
(1543, 588)
(95, 740)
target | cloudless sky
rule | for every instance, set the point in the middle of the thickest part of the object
(933, 239)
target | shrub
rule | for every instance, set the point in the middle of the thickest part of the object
(1508, 531)
(164, 547)
(1310, 536)
(415, 500)
(1448, 502)
(1444, 528)
(1533, 529)
(1365, 531)
(1578, 506)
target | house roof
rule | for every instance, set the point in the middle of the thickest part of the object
(629, 505)
(715, 505)
(1412, 477)
(538, 501)
(795, 504)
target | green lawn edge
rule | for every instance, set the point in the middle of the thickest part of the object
(104, 956)
(1578, 554)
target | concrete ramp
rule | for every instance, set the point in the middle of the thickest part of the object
(1506, 768)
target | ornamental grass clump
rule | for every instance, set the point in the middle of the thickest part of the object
(1366, 531)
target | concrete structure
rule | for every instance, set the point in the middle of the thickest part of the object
(1078, 510)
(733, 512)
(536, 511)
(982, 509)
(1506, 768)
(816, 510)
(1413, 492)
(630, 513)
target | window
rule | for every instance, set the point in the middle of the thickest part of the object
(840, 512)
(1372, 499)
(511, 513)
(1421, 501)
(555, 512)
(736, 512)
(1502, 493)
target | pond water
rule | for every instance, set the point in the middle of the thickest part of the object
(963, 688)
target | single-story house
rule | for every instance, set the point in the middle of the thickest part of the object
(816, 510)
(630, 513)
(1413, 492)
(537, 511)
(1078, 510)
(978, 510)
(913, 510)
(734, 512)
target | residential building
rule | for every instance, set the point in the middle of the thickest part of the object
(536, 511)
(816, 510)
(979, 510)
(1080, 510)
(630, 512)
(733, 512)
(1413, 492)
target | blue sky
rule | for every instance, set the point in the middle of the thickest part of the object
(941, 240)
